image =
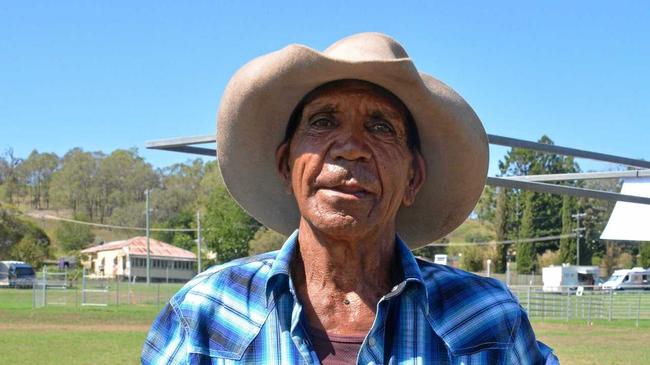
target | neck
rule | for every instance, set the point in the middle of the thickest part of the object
(340, 281)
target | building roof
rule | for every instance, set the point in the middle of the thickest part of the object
(138, 246)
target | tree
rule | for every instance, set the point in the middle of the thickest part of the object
(544, 219)
(180, 190)
(73, 185)
(500, 221)
(183, 239)
(644, 255)
(21, 239)
(122, 178)
(12, 230)
(228, 227)
(486, 207)
(11, 187)
(31, 249)
(597, 214)
(36, 175)
(74, 236)
(567, 244)
(525, 252)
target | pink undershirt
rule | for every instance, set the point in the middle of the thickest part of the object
(333, 349)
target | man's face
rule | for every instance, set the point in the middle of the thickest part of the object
(348, 163)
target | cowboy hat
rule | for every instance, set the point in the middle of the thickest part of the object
(259, 99)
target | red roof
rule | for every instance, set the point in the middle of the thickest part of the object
(138, 246)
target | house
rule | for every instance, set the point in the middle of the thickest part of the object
(127, 259)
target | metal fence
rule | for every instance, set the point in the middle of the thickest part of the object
(86, 293)
(586, 303)
(50, 287)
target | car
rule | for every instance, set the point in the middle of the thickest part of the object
(21, 275)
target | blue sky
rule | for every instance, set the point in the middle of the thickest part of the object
(108, 75)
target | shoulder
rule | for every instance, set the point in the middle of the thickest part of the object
(227, 284)
(223, 308)
(450, 281)
(470, 312)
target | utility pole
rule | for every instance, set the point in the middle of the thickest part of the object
(578, 231)
(146, 193)
(198, 240)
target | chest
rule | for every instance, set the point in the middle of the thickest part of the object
(400, 334)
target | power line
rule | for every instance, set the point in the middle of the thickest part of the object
(111, 226)
(523, 240)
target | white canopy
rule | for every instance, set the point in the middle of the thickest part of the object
(630, 221)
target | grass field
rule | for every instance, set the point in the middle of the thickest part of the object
(114, 335)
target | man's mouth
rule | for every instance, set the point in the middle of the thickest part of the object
(348, 188)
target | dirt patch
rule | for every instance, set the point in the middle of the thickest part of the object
(75, 327)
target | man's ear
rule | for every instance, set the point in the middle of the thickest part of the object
(417, 176)
(282, 164)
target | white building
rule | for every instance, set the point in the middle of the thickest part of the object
(128, 259)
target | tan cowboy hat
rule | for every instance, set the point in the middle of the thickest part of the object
(261, 96)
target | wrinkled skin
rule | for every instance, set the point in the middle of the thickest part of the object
(350, 170)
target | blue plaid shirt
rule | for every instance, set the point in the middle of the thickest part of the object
(247, 312)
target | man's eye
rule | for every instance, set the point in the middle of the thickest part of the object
(322, 122)
(380, 126)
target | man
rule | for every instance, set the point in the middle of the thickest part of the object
(368, 159)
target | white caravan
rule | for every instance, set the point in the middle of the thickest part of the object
(556, 278)
(636, 278)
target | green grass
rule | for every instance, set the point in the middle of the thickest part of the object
(69, 334)
(114, 335)
(616, 342)
(70, 347)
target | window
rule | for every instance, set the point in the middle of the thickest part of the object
(139, 262)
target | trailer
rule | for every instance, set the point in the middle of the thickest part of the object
(557, 278)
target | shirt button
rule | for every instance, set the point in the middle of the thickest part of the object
(372, 342)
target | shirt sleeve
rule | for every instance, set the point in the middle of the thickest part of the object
(526, 350)
(166, 341)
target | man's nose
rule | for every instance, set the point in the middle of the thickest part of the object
(350, 146)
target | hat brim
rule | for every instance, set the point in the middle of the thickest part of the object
(261, 96)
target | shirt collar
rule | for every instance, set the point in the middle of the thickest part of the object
(280, 270)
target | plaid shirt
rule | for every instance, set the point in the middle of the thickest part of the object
(246, 312)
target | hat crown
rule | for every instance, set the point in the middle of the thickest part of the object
(367, 47)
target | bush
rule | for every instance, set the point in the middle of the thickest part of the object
(21, 240)
(265, 240)
(625, 261)
(31, 250)
(471, 257)
(74, 236)
(549, 258)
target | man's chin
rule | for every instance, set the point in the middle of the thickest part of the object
(341, 225)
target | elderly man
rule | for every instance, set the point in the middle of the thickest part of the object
(367, 158)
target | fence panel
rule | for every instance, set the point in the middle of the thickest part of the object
(588, 304)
